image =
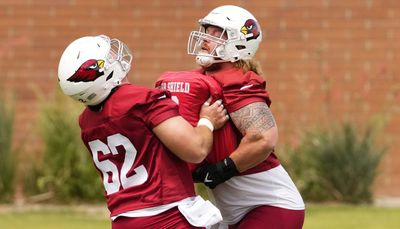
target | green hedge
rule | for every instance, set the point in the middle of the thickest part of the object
(336, 165)
(65, 171)
(7, 157)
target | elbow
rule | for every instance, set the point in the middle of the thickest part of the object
(271, 139)
(265, 143)
(269, 145)
(196, 150)
(201, 154)
(270, 142)
(265, 148)
(197, 156)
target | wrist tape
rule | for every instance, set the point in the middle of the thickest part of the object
(206, 122)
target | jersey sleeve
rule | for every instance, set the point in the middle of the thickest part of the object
(241, 92)
(158, 108)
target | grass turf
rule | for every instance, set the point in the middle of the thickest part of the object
(317, 217)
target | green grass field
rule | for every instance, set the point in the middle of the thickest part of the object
(54, 217)
(317, 217)
(351, 217)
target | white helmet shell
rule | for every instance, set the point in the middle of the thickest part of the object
(243, 35)
(91, 66)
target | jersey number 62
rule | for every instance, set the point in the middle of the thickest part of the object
(118, 178)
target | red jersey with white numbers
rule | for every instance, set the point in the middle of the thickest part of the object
(190, 90)
(240, 89)
(137, 170)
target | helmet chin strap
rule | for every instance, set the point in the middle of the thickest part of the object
(204, 61)
(207, 61)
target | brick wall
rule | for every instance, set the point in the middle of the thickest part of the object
(325, 61)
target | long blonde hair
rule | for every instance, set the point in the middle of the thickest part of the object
(249, 65)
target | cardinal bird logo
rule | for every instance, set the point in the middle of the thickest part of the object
(88, 71)
(250, 29)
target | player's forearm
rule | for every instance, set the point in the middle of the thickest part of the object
(194, 146)
(191, 144)
(253, 149)
(203, 144)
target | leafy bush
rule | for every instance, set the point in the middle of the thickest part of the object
(336, 165)
(7, 159)
(66, 170)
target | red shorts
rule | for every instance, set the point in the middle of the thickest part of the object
(171, 219)
(272, 218)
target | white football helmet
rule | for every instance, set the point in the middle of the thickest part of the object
(240, 26)
(92, 66)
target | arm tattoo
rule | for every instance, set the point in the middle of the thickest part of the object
(256, 117)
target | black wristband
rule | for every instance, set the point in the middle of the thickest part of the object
(228, 168)
(214, 174)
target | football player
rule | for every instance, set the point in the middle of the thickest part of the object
(248, 183)
(137, 139)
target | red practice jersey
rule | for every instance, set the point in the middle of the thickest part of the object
(241, 89)
(190, 90)
(137, 170)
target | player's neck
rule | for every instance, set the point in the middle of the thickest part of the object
(218, 67)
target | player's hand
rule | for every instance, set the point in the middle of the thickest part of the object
(215, 112)
(214, 174)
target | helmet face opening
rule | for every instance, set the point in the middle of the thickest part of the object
(196, 40)
(120, 52)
